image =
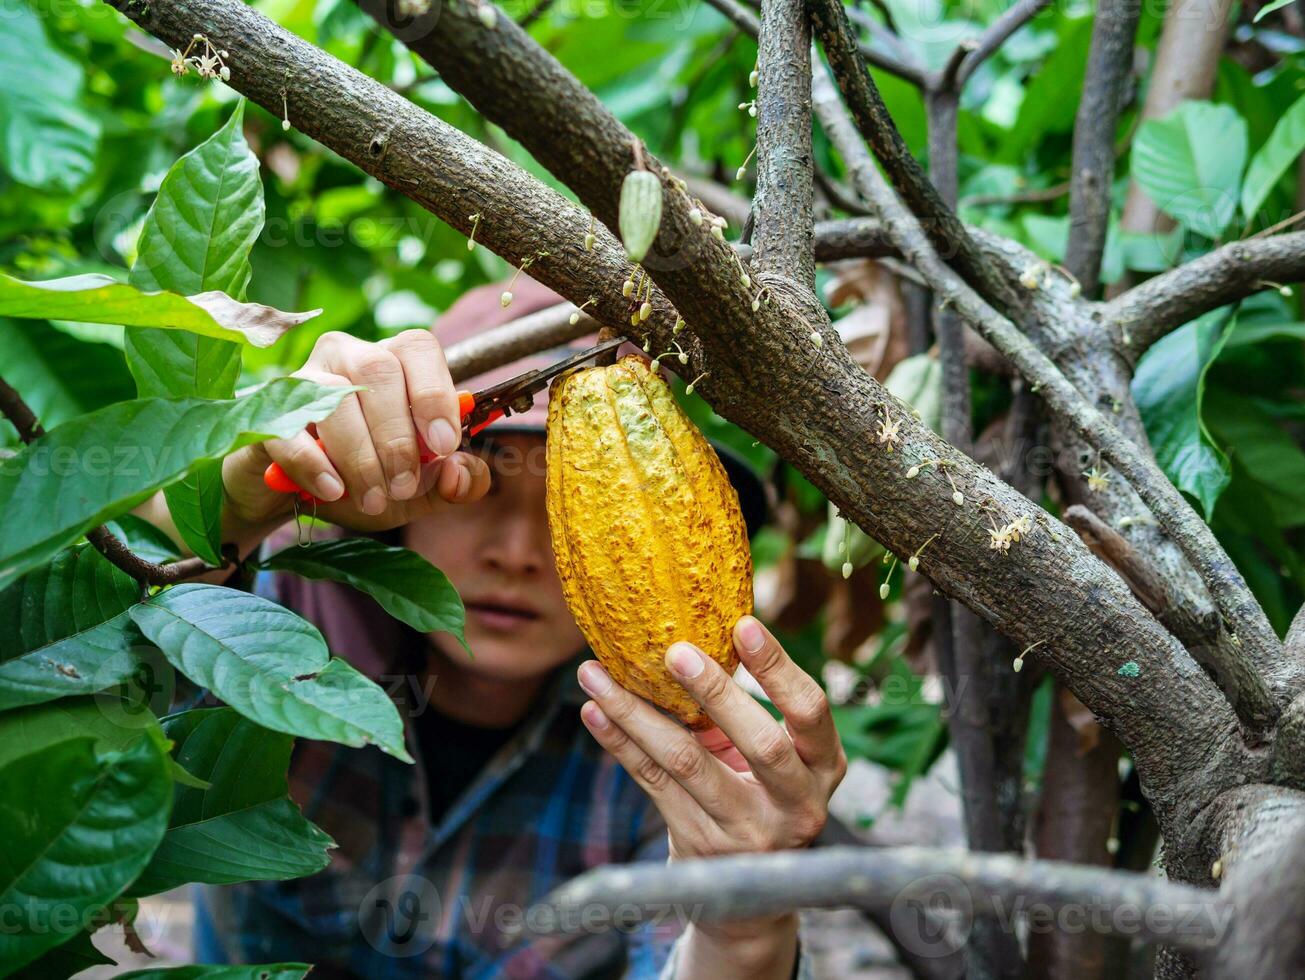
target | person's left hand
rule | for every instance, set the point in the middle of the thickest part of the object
(750, 784)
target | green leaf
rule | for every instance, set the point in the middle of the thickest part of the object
(406, 585)
(66, 629)
(88, 661)
(1045, 108)
(274, 971)
(197, 238)
(1169, 386)
(270, 665)
(48, 139)
(1270, 8)
(78, 828)
(1271, 160)
(1190, 164)
(85, 471)
(114, 724)
(101, 299)
(58, 377)
(206, 218)
(243, 826)
(1265, 452)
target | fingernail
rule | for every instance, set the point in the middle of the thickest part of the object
(593, 716)
(443, 438)
(594, 679)
(403, 485)
(373, 501)
(464, 483)
(329, 488)
(751, 636)
(685, 660)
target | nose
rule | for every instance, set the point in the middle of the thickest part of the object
(518, 545)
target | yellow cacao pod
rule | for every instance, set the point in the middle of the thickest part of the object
(649, 539)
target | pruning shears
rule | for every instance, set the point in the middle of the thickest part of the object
(476, 408)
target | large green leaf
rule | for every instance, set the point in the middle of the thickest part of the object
(1169, 386)
(78, 828)
(101, 299)
(1190, 164)
(243, 826)
(270, 665)
(99, 465)
(406, 585)
(208, 213)
(48, 140)
(272, 971)
(1271, 160)
(197, 238)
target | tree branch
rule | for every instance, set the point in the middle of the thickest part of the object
(997, 34)
(908, 879)
(813, 405)
(902, 63)
(738, 15)
(1165, 302)
(1242, 613)
(1209, 645)
(1110, 60)
(17, 411)
(943, 227)
(530, 334)
(785, 201)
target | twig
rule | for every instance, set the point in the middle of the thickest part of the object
(1093, 163)
(1152, 309)
(911, 879)
(997, 34)
(1241, 611)
(535, 12)
(1209, 646)
(530, 334)
(945, 231)
(902, 62)
(738, 15)
(782, 237)
(1040, 195)
(17, 411)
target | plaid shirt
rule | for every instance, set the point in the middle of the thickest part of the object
(405, 897)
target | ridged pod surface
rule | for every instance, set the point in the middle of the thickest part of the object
(649, 539)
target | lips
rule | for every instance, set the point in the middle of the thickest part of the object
(501, 613)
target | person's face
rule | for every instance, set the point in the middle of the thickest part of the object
(498, 554)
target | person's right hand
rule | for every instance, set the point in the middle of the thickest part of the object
(371, 441)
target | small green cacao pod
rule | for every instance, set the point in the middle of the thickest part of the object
(641, 212)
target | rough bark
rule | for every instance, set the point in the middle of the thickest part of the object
(782, 237)
(1092, 166)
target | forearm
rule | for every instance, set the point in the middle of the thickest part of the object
(244, 533)
(761, 950)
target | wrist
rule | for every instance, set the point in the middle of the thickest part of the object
(752, 948)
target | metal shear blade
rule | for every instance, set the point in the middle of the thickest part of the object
(517, 394)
